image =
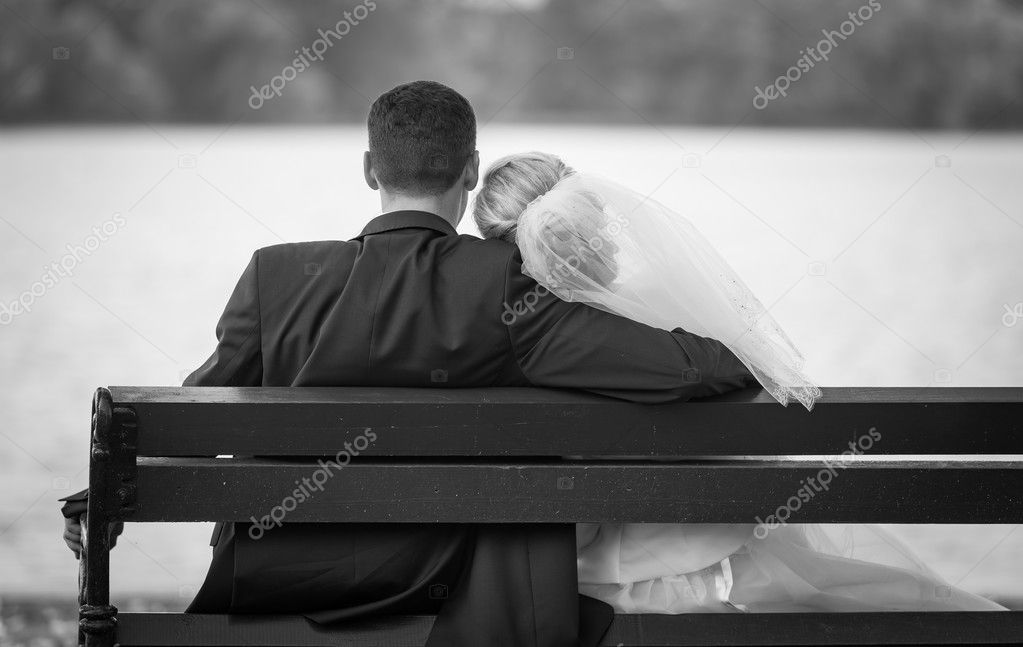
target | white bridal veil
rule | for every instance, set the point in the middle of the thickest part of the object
(596, 242)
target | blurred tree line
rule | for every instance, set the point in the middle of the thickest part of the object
(914, 63)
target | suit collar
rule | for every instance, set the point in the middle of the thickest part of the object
(406, 220)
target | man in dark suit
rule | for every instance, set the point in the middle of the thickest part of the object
(409, 302)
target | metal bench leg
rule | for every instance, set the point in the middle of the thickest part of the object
(111, 494)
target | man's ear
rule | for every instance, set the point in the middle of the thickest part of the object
(471, 175)
(368, 173)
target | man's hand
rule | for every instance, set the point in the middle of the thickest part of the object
(76, 525)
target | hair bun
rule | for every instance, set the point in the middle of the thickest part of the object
(510, 185)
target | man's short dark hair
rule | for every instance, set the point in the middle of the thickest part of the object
(421, 134)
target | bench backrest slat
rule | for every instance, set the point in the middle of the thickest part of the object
(269, 421)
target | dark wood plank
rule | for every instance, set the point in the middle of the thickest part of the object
(182, 489)
(207, 630)
(175, 630)
(955, 628)
(207, 421)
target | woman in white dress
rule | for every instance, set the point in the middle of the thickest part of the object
(590, 240)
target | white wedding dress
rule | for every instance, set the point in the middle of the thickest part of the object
(722, 568)
(593, 241)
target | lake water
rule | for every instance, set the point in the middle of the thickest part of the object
(890, 258)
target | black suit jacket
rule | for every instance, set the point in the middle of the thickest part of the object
(409, 302)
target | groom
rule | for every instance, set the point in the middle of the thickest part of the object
(409, 302)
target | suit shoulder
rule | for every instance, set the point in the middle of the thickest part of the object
(499, 261)
(307, 249)
(285, 249)
(492, 250)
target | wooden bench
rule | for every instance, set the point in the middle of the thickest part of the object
(526, 455)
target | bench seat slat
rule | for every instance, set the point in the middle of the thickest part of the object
(951, 628)
(941, 491)
(207, 421)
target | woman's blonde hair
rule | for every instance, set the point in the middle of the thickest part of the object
(509, 185)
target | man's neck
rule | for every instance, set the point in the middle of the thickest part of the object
(448, 206)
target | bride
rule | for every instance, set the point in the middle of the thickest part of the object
(590, 240)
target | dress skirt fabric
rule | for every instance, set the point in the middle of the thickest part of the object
(792, 568)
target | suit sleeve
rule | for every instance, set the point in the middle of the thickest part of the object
(572, 345)
(237, 360)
